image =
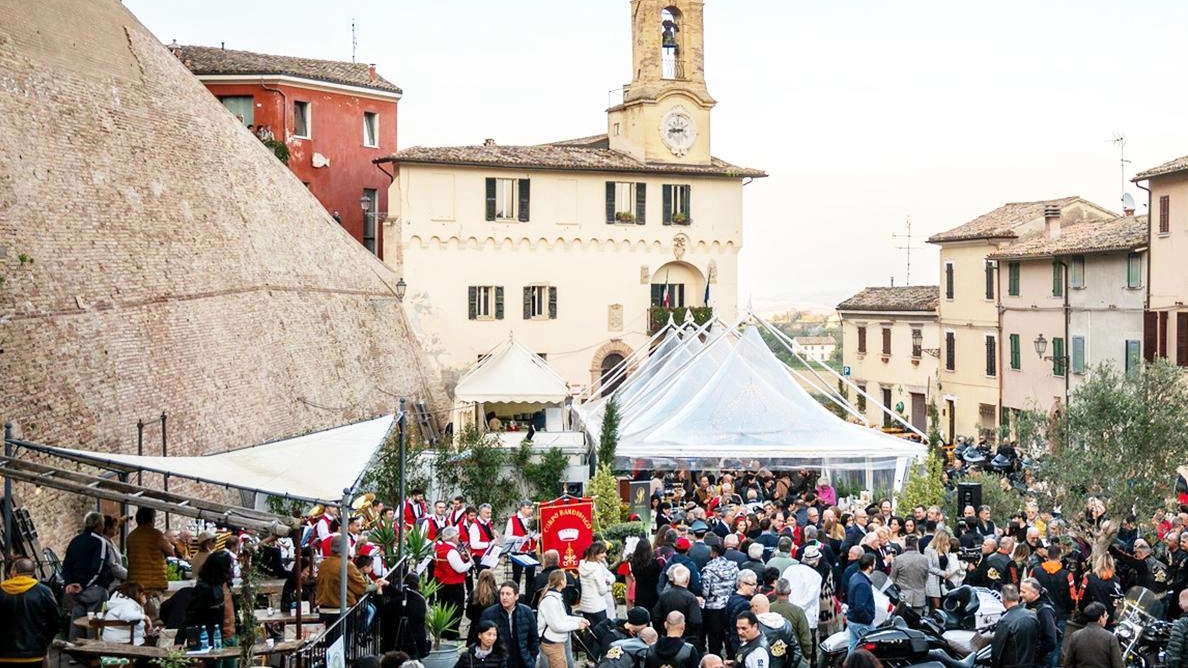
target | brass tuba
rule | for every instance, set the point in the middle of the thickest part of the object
(362, 506)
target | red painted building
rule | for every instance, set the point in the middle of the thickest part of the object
(333, 118)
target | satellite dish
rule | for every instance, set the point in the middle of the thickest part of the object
(1127, 201)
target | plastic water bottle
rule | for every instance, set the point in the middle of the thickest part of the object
(293, 607)
(203, 640)
(218, 638)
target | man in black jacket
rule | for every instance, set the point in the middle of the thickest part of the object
(30, 614)
(1048, 651)
(673, 649)
(551, 561)
(1015, 639)
(86, 571)
(516, 625)
(678, 598)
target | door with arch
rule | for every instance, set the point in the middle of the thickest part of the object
(611, 381)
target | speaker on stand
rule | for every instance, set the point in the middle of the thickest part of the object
(968, 494)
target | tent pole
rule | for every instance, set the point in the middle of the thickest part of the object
(8, 551)
(164, 453)
(344, 558)
(400, 526)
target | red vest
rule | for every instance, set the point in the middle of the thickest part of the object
(485, 531)
(455, 516)
(442, 570)
(432, 529)
(518, 529)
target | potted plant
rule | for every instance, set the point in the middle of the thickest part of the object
(174, 658)
(439, 619)
(417, 546)
(625, 217)
(680, 218)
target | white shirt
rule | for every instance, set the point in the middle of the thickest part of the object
(478, 540)
(456, 563)
(806, 591)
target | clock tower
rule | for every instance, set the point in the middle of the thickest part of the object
(665, 112)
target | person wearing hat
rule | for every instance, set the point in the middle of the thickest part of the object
(610, 631)
(681, 557)
(699, 552)
(205, 542)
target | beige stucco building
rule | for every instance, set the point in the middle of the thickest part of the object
(968, 318)
(1072, 298)
(570, 244)
(1166, 321)
(888, 334)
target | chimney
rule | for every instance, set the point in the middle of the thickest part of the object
(371, 73)
(1052, 222)
(1128, 212)
(488, 142)
(222, 46)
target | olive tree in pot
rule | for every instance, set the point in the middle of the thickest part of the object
(439, 619)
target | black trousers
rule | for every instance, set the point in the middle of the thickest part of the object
(456, 594)
(518, 572)
(714, 625)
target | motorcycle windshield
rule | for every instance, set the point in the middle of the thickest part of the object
(1141, 600)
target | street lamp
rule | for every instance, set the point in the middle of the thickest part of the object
(1041, 345)
(401, 288)
(365, 204)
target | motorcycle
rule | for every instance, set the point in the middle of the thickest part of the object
(948, 635)
(1142, 635)
(976, 456)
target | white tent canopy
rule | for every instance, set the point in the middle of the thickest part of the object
(730, 402)
(511, 373)
(316, 467)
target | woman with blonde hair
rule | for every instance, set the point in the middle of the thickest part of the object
(1102, 585)
(485, 595)
(944, 568)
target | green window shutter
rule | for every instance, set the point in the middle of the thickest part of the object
(1078, 354)
(610, 203)
(687, 196)
(499, 302)
(1015, 351)
(552, 303)
(1057, 280)
(1013, 279)
(523, 212)
(641, 202)
(472, 297)
(490, 199)
(1057, 356)
(666, 196)
(528, 302)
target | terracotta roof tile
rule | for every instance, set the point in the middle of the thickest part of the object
(584, 154)
(1001, 222)
(212, 60)
(1171, 167)
(1122, 233)
(905, 298)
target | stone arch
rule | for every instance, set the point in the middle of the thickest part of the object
(614, 347)
(687, 282)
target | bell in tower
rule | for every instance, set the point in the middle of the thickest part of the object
(670, 48)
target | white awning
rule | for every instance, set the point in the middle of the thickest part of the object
(315, 467)
(511, 374)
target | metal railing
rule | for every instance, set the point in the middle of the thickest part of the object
(360, 630)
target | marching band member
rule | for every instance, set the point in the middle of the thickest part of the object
(457, 511)
(482, 534)
(322, 528)
(368, 549)
(438, 521)
(415, 509)
(451, 566)
(518, 526)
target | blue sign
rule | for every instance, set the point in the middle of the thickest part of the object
(846, 370)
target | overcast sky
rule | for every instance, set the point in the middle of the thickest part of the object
(863, 112)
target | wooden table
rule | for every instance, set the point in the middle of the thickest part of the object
(266, 587)
(92, 650)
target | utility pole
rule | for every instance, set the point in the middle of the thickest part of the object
(906, 247)
(1120, 140)
(354, 41)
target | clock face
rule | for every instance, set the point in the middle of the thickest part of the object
(678, 131)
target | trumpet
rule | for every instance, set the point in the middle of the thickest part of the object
(362, 505)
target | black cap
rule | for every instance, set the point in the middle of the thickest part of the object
(639, 616)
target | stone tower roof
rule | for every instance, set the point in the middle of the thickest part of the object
(157, 257)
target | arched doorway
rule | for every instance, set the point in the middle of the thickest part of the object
(610, 380)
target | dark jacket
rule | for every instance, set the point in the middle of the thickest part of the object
(1177, 645)
(524, 643)
(736, 604)
(674, 652)
(700, 554)
(30, 614)
(860, 599)
(683, 601)
(1015, 639)
(1049, 633)
(570, 595)
(85, 563)
(206, 607)
(1059, 584)
(694, 574)
(608, 632)
(1093, 647)
(496, 659)
(1106, 592)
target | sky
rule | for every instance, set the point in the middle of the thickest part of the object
(863, 112)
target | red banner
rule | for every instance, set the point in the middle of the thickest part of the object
(567, 525)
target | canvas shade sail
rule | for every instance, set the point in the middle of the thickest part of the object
(511, 373)
(316, 467)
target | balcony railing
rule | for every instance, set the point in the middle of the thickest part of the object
(658, 316)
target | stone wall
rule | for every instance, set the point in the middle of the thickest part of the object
(156, 257)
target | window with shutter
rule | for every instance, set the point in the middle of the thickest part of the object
(626, 202)
(540, 302)
(1134, 357)
(989, 269)
(1015, 361)
(472, 302)
(861, 398)
(1150, 334)
(611, 191)
(1134, 271)
(485, 302)
(490, 199)
(522, 214)
(641, 203)
(1077, 354)
(528, 302)
(506, 198)
(950, 351)
(675, 203)
(1013, 279)
(886, 340)
(1057, 356)
(1164, 214)
(1057, 280)
(917, 343)
(861, 340)
(499, 302)
(1076, 277)
(948, 280)
(1182, 339)
(991, 355)
(552, 303)
(1162, 344)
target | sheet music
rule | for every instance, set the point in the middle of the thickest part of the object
(491, 558)
(520, 545)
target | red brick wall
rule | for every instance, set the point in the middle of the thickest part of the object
(176, 265)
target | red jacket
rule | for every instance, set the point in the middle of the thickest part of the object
(442, 570)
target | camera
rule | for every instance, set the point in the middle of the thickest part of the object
(970, 554)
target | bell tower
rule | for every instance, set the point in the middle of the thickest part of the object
(664, 115)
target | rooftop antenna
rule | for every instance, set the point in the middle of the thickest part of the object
(906, 247)
(1120, 140)
(354, 42)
